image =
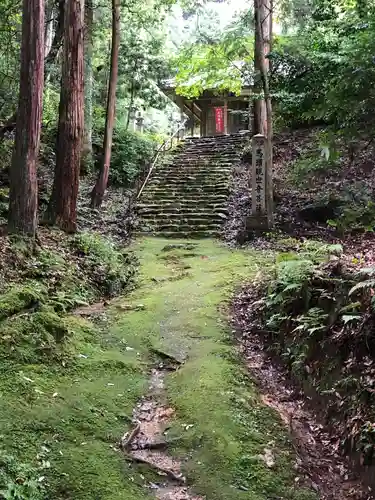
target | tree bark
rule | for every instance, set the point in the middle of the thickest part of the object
(52, 54)
(98, 191)
(50, 59)
(262, 47)
(264, 7)
(49, 27)
(130, 107)
(89, 78)
(62, 209)
(23, 196)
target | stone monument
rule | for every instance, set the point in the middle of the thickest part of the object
(259, 217)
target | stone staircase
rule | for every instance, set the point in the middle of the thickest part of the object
(187, 196)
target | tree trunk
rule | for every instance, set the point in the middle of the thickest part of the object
(50, 59)
(101, 184)
(52, 54)
(264, 7)
(62, 209)
(89, 78)
(130, 107)
(262, 47)
(23, 196)
(49, 27)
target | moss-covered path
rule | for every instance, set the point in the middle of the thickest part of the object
(224, 432)
(64, 418)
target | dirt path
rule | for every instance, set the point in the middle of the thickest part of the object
(316, 456)
(204, 429)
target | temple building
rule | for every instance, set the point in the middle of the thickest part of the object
(213, 113)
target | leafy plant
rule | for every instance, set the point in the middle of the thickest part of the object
(131, 153)
(111, 270)
(19, 481)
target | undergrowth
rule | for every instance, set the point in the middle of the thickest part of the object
(319, 317)
(67, 389)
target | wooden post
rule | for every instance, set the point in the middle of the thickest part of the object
(204, 119)
(225, 116)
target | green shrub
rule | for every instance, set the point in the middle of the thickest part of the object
(357, 211)
(21, 297)
(131, 152)
(6, 149)
(110, 269)
(307, 168)
(19, 481)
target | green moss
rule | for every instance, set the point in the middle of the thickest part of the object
(111, 270)
(76, 407)
(21, 297)
(71, 403)
(221, 424)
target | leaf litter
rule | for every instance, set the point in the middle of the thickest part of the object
(318, 460)
(147, 442)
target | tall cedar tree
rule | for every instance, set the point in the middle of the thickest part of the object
(23, 197)
(98, 191)
(262, 47)
(87, 153)
(62, 209)
(263, 108)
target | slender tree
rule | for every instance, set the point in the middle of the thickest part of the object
(89, 79)
(23, 198)
(101, 184)
(262, 47)
(62, 209)
(263, 36)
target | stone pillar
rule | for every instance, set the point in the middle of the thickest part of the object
(258, 218)
(132, 121)
(258, 175)
(139, 122)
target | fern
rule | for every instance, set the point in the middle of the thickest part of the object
(363, 285)
(294, 272)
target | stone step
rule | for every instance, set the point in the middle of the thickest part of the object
(209, 148)
(184, 227)
(184, 191)
(187, 194)
(183, 218)
(174, 177)
(188, 200)
(189, 186)
(212, 157)
(185, 183)
(183, 209)
(198, 171)
(181, 212)
(180, 234)
(203, 168)
(215, 140)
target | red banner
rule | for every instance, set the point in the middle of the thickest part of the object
(219, 120)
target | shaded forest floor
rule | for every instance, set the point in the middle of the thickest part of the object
(146, 395)
(315, 197)
(71, 388)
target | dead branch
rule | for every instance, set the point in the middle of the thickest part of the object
(127, 441)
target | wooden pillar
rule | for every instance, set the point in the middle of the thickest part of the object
(179, 100)
(225, 116)
(204, 120)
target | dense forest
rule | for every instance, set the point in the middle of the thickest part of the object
(187, 216)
